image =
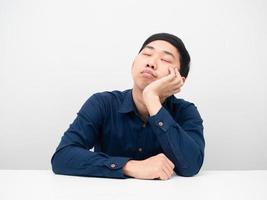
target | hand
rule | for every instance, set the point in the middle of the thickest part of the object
(156, 167)
(166, 86)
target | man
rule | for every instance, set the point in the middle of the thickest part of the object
(145, 132)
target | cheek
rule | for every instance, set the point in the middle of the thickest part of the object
(163, 71)
(135, 68)
(137, 64)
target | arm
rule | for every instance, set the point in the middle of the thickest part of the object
(183, 147)
(183, 142)
(72, 156)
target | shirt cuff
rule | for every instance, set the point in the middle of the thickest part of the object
(162, 120)
(116, 164)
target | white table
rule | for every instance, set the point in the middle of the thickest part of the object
(43, 184)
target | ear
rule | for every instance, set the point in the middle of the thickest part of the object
(183, 78)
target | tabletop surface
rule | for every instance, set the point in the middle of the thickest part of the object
(44, 184)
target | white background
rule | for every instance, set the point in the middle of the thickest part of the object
(55, 54)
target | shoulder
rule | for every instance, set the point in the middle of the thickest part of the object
(181, 103)
(108, 100)
(102, 102)
(110, 96)
(185, 108)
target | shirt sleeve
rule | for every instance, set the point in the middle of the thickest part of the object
(183, 143)
(73, 155)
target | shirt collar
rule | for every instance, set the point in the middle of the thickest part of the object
(128, 103)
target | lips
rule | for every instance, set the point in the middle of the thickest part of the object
(148, 73)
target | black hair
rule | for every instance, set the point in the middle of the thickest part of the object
(176, 42)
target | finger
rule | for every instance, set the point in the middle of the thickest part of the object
(167, 171)
(169, 77)
(163, 175)
(171, 73)
(177, 86)
(178, 82)
(177, 77)
(166, 166)
(170, 163)
(177, 72)
(180, 78)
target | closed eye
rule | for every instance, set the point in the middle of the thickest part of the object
(146, 54)
(166, 60)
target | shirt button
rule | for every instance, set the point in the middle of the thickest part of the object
(144, 125)
(112, 165)
(140, 149)
(160, 124)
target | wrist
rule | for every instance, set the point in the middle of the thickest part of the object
(152, 102)
(148, 91)
(129, 168)
(149, 96)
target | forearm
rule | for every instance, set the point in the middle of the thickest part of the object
(179, 147)
(184, 148)
(73, 160)
(152, 102)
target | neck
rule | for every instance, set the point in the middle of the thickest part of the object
(139, 102)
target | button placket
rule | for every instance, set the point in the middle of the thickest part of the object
(144, 125)
(142, 135)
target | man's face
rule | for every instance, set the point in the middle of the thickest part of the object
(153, 61)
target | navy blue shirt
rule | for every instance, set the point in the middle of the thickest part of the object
(110, 123)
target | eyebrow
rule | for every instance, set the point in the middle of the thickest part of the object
(166, 52)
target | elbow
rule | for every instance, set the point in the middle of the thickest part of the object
(191, 169)
(61, 162)
(187, 172)
(56, 164)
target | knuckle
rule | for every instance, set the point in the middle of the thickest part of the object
(161, 155)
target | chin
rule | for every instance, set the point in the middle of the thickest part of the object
(142, 83)
(140, 86)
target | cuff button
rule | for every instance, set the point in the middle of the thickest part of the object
(160, 124)
(112, 165)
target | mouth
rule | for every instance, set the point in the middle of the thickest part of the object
(146, 73)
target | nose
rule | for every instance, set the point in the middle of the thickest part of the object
(151, 64)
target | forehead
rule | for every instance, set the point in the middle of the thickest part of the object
(161, 45)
